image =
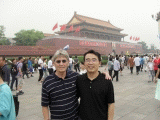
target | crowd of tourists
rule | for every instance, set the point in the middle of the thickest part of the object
(72, 89)
(146, 63)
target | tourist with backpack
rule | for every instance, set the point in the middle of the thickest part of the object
(19, 76)
(14, 73)
(110, 66)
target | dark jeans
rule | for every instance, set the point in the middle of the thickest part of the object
(25, 73)
(40, 74)
(13, 80)
(76, 67)
(36, 66)
(155, 71)
(110, 73)
(116, 75)
(50, 70)
(131, 68)
(141, 67)
(137, 69)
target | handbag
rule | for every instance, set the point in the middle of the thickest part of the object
(16, 103)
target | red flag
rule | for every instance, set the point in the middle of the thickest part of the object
(63, 27)
(56, 26)
(71, 28)
(135, 38)
(78, 29)
(131, 38)
(138, 38)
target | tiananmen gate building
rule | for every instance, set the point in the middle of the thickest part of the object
(81, 33)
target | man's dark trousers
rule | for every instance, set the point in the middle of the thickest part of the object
(13, 80)
(116, 74)
(50, 70)
(40, 74)
(137, 69)
(131, 68)
(110, 73)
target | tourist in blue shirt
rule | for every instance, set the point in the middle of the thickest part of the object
(141, 62)
(7, 108)
(30, 67)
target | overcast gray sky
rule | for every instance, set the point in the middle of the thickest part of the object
(134, 16)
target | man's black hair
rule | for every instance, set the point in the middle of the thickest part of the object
(131, 56)
(75, 56)
(137, 55)
(19, 58)
(110, 59)
(93, 52)
(82, 63)
(3, 58)
(44, 59)
(29, 58)
(117, 58)
(50, 57)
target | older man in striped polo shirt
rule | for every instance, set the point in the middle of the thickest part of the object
(59, 91)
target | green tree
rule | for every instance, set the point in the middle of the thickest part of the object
(28, 37)
(3, 39)
(144, 46)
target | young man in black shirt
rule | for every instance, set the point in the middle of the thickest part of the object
(14, 73)
(96, 93)
(5, 70)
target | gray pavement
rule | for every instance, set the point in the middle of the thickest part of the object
(134, 98)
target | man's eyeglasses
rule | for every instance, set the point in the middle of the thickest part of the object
(89, 60)
(59, 61)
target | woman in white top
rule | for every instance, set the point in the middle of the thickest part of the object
(82, 68)
(150, 68)
(45, 74)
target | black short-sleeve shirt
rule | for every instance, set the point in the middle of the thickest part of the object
(95, 96)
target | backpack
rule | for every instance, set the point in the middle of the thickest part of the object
(17, 68)
(14, 70)
(112, 67)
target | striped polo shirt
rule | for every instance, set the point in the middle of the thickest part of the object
(61, 96)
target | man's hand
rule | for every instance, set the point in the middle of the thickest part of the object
(107, 76)
(155, 80)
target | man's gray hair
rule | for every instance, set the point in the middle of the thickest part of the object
(61, 53)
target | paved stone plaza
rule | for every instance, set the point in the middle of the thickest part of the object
(134, 98)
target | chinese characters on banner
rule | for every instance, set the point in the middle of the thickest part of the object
(91, 43)
(127, 46)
